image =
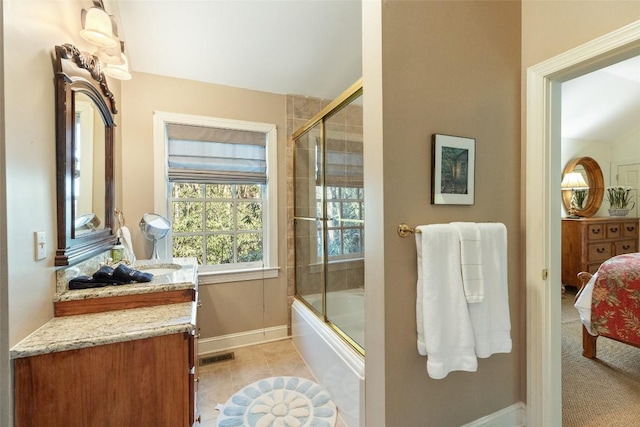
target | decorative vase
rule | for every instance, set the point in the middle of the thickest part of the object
(618, 212)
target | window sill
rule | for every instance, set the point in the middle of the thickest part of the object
(213, 277)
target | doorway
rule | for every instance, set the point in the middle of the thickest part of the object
(543, 168)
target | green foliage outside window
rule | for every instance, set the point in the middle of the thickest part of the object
(345, 221)
(217, 223)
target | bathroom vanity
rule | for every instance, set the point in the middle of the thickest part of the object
(126, 358)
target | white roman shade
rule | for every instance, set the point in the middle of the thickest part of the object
(343, 162)
(216, 155)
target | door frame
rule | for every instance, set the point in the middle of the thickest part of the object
(542, 172)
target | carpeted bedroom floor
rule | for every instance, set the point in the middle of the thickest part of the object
(601, 392)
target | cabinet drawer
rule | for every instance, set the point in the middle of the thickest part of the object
(630, 229)
(599, 251)
(626, 247)
(614, 230)
(592, 268)
(596, 232)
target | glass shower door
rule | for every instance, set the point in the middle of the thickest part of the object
(344, 205)
(309, 214)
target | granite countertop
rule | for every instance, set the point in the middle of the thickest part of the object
(88, 330)
(184, 278)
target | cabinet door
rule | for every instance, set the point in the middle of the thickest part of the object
(142, 382)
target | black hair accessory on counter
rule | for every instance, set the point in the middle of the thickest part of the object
(125, 273)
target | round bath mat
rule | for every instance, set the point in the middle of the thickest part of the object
(279, 402)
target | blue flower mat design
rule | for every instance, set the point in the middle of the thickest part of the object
(279, 401)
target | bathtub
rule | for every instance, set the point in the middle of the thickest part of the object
(335, 364)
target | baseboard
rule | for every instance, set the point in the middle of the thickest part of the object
(511, 416)
(228, 342)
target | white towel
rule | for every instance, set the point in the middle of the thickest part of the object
(445, 334)
(127, 243)
(490, 318)
(471, 260)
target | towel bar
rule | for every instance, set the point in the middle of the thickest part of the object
(404, 230)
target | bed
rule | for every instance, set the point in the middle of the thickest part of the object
(609, 303)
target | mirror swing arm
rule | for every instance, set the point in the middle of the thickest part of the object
(78, 72)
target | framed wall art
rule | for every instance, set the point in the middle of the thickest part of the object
(453, 161)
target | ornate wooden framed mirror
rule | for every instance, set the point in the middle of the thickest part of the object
(84, 156)
(592, 173)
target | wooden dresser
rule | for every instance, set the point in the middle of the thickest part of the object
(587, 242)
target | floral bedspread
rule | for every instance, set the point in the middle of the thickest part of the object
(615, 310)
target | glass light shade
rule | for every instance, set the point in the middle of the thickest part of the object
(120, 72)
(574, 181)
(97, 28)
(111, 55)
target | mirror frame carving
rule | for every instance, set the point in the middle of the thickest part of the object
(595, 179)
(76, 71)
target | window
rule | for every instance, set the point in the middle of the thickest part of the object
(344, 196)
(345, 222)
(219, 187)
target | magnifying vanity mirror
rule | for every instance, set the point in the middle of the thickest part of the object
(592, 174)
(84, 156)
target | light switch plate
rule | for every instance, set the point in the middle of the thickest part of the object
(40, 238)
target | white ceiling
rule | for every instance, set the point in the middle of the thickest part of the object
(604, 105)
(302, 47)
(314, 48)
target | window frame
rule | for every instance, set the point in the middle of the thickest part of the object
(235, 272)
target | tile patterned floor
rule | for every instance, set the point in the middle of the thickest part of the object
(218, 381)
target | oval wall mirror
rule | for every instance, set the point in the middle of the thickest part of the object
(590, 169)
(84, 156)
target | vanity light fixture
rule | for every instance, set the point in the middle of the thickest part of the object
(100, 29)
(573, 181)
(118, 71)
(96, 27)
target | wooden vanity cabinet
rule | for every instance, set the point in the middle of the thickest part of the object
(145, 382)
(588, 242)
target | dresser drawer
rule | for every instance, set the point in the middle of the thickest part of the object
(592, 268)
(614, 230)
(596, 232)
(599, 251)
(630, 229)
(626, 247)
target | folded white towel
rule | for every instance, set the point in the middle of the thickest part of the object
(490, 318)
(471, 260)
(445, 334)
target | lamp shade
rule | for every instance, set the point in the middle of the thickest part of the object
(574, 181)
(96, 28)
(111, 55)
(118, 71)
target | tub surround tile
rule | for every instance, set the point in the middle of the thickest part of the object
(88, 330)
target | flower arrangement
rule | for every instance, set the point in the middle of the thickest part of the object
(579, 196)
(619, 197)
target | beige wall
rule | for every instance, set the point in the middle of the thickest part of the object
(453, 68)
(227, 307)
(31, 30)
